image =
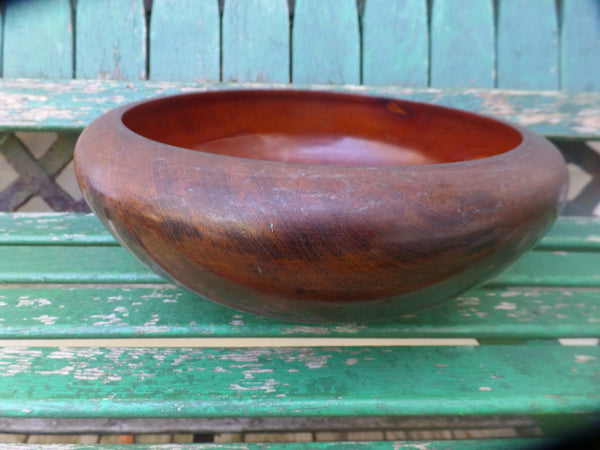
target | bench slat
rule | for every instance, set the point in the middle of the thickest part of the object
(326, 42)
(84, 312)
(115, 50)
(463, 43)
(38, 39)
(580, 45)
(72, 105)
(256, 41)
(189, 51)
(488, 444)
(395, 43)
(113, 264)
(567, 233)
(301, 382)
(527, 44)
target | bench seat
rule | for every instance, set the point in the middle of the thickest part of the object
(67, 105)
(93, 342)
(87, 332)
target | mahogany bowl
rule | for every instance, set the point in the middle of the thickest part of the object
(319, 206)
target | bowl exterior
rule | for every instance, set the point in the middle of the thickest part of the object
(318, 242)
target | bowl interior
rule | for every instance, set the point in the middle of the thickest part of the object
(320, 128)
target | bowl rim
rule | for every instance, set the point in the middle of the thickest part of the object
(116, 117)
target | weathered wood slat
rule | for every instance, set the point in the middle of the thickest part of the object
(53, 229)
(163, 311)
(256, 41)
(395, 43)
(527, 44)
(71, 264)
(72, 105)
(112, 264)
(360, 381)
(38, 39)
(490, 444)
(567, 233)
(326, 42)
(115, 50)
(189, 50)
(580, 45)
(462, 43)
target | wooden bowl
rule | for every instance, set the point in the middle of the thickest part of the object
(316, 206)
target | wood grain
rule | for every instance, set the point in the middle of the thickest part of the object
(189, 50)
(395, 43)
(116, 50)
(326, 42)
(462, 43)
(527, 45)
(580, 45)
(256, 41)
(38, 39)
(289, 205)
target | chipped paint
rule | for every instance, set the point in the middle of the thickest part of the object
(508, 306)
(73, 104)
(583, 359)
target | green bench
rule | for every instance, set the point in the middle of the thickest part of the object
(92, 341)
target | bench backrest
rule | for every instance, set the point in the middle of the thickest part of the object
(520, 44)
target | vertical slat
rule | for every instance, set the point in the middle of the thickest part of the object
(184, 40)
(326, 42)
(580, 45)
(256, 41)
(462, 43)
(395, 43)
(527, 44)
(111, 39)
(38, 39)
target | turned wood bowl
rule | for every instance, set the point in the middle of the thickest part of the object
(319, 206)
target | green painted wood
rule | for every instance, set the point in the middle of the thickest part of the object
(52, 229)
(69, 264)
(567, 233)
(527, 44)
(38, 39)
(162, 311)
(110, 39)
(462, 43)
(184, 40)
(580, 45)
(256, 41)
(395, 43)
(573, 233)
(47, 105)
(557, 268)
(302, 382)
(73, 248)
(488, 444)
(549, 265)
(110, 264)
(326, 42)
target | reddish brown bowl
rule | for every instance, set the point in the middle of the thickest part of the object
(315, 206)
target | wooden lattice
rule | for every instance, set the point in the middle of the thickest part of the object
(581, 154)
(37, 177)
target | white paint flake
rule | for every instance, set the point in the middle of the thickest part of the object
(582, 359)
(35, 302)
(506, 306)
(46, 319)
